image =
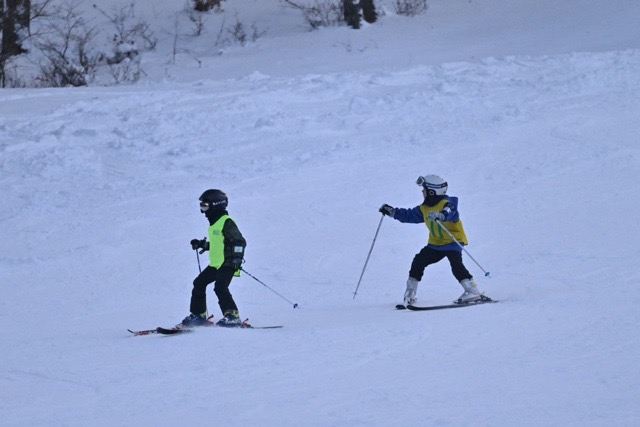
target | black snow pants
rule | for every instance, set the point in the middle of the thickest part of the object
(429, 256)
(222, 277)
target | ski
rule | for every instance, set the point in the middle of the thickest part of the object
(263, 327)
(401, 307)
(165, 331)
(247, 325)
(143, 332)
(172, 331)
(484, 300)
(178, 329)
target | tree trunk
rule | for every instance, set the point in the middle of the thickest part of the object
(369, 11)
(15, 23)
(351, 13)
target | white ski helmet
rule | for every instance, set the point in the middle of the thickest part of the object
(435, 185)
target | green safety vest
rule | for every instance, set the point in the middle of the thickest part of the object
(216, 242)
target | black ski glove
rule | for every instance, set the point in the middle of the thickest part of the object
(387, 210)
(199, 244)
(236, 263)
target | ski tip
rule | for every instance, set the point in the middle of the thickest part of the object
(247, 325)
(400, 307)
(143, 332)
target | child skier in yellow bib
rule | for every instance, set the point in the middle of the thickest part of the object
(436, 211)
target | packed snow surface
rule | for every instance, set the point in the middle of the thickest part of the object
(98, 201)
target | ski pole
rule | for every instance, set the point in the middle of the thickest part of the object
(368, 256)
(198, 257)
(486, 273)
(295, 305)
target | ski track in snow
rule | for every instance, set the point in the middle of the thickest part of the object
(99, 200)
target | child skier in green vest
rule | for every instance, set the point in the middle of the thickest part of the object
(436, 211)
(226, 252)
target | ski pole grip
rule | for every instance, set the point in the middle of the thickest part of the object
(204, 243)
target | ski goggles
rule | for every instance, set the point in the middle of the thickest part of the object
(423, 182)
(204, 206)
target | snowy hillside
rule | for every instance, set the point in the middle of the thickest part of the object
(530, 113)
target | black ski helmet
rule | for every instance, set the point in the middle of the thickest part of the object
(213, 199)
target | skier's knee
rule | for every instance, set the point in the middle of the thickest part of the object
(198, 282)
(220, 290)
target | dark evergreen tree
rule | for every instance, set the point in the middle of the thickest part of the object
(16, 16)
(354, 10)
(206, 5)
(368, 11)
(351, 10)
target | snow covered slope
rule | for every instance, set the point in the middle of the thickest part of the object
(99, 188)
(451, 31)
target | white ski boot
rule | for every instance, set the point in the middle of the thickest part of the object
(410, 293)
(471, 292)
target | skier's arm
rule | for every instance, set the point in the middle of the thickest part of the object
(450, 210)
(234, 244)
(413, 215)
